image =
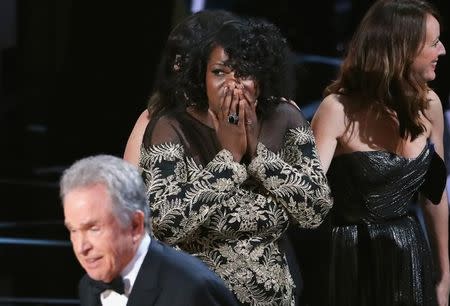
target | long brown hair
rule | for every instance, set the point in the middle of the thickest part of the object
(377, 68)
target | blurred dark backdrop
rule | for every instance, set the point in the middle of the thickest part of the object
(75, 75)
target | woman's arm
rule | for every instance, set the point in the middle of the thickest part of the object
(436, 216)
(294, 177)
(183, 194)
(133, 147)
(328, 124)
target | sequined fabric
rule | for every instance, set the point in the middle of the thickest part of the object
(233, 215)
(379, 255)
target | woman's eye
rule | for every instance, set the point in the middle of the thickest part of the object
(217, 71)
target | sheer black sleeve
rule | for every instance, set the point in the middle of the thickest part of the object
(293, 176)
(183, 194)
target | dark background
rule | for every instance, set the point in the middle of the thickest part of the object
(75, 75)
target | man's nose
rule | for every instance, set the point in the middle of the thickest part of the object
(82, 244)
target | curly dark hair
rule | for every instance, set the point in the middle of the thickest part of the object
(256, 48)
(185, 37)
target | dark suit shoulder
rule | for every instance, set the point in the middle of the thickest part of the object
(84, 280)
(188, 266)
(182, 270)
(85, 292)
(83, 285)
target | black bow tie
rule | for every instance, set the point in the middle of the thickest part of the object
(116, 285)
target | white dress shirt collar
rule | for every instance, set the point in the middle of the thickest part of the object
(131, 271)
(129, 275)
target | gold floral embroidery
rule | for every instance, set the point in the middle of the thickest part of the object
(234, 227)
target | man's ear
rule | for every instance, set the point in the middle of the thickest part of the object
(137, 224)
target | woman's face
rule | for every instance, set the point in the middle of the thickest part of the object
(424, 64)
(219, 75)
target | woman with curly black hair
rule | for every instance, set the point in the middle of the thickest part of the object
(234, 162)
(184, 37)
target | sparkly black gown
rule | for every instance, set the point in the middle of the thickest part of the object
(378, 252)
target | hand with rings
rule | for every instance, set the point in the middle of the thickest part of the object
(229, 122)
(233, 118)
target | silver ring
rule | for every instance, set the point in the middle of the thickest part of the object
(233, 119)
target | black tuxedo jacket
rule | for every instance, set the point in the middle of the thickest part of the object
(169, 277)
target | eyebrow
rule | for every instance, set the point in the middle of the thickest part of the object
(219, 63)
(435, 40)
(86, 224)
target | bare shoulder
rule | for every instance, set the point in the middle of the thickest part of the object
(140, 125)
(143, 118)
(328, 126)
(330, 114)
(132, 148)
(333, 103)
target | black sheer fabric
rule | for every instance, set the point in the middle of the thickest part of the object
(200, 141)
(379, 254)
(234, 215)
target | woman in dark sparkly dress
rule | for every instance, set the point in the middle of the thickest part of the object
(379, 133)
